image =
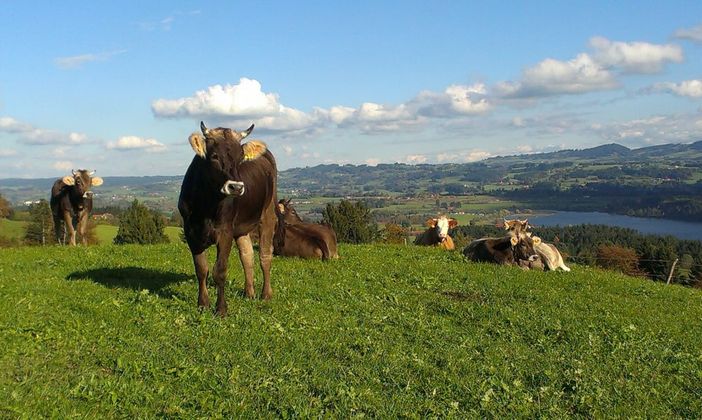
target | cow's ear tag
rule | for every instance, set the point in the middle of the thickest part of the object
(514, 240)
(197, 142)
(536, 240)
(96, 182)
(68, 180)
(254, 149)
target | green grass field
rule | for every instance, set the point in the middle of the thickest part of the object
(12, 229)
(386, 331)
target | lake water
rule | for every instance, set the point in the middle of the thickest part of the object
(682, 230)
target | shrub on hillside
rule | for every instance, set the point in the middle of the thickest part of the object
(40, 230)
(394, 234)
(139, 225)
(352, 222)
(619, 258)
(5, 208)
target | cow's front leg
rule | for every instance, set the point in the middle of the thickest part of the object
(201, 271)
(82, 227)
(246, 255)
(68, 223)
(224, 247)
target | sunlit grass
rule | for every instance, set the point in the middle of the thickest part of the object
(385, 331)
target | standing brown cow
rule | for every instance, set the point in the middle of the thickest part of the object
(295, 238)
(228, 191)
(71, 203)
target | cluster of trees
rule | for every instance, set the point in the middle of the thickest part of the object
(615, 247)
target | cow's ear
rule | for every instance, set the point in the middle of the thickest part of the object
(536, 240)
(254, 149)
(506, 224)
(68, 180)
(197, 142)
(431, 223)
(514, 240)
(96, 182)
(453, 223)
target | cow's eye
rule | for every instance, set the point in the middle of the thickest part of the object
(214, 156)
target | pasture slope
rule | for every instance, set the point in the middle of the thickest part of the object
(385, 331)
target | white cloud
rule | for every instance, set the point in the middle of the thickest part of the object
(553, 77)
(28, 134)
(136, 143)
(693, 34)
(4, 153)
(689, 88)
(659, 129)
(462, 156)
(63, 165)
(372, 161)
(635, 57)
(414, 159)
(590, 72)
(287, 149)
(76, 61)
(246, 101)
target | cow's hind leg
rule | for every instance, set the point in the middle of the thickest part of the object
(58, 230)
(201, 271)
(224, 247)
(246, 254)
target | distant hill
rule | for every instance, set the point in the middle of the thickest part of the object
(609, 162)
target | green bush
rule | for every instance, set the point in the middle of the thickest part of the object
(352, 222)
(139, 225)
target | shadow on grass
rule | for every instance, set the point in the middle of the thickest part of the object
(136, 278)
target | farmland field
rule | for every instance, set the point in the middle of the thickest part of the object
(386, 331)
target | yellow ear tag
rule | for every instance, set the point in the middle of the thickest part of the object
(254, 149)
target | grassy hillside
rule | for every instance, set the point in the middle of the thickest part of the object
(385, 331)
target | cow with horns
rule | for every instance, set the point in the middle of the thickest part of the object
(71, 203)
(228, 191)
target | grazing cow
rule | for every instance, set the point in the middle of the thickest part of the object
(71, 203)
(228, 191)
(295, 238)
(437, 233)
(548, 253)
(508, 250)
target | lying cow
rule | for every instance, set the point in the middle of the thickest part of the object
(548, 253)
(228, 191)
(71, 203)
(437, 233)
(509, 250)
(295, 238)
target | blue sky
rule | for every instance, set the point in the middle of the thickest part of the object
(118, 87)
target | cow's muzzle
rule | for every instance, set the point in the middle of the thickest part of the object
(235, 188)
(533, 257)
(88, 194)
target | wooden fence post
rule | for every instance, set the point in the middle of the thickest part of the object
(672, 269)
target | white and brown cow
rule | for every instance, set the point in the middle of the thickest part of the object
(548, 253)
(71, 203)
(437, 233)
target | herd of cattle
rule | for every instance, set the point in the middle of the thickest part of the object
(229, 194)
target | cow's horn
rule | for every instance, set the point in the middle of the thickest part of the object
(246, 132)
(73, 172)
(91, 173)
(204, 129)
